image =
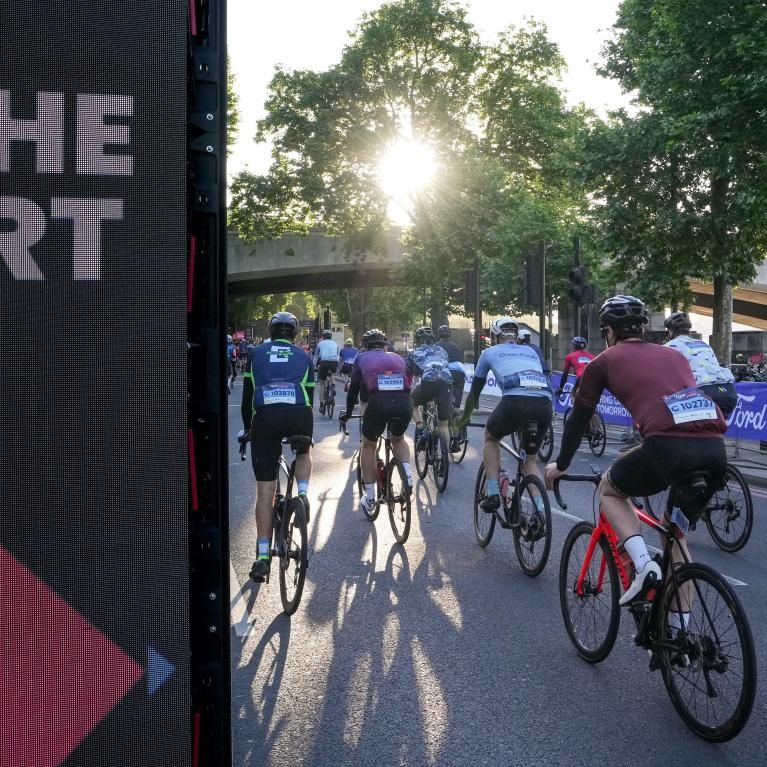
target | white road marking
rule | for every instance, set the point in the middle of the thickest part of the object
(239, 615)
(557, 510)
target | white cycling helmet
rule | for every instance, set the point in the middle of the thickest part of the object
(504, 326)
(524, 335)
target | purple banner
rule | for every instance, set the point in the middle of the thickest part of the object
(748, 421)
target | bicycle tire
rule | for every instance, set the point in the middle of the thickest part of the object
(577, 611)
(702, 651)
(463, 438)
(398, 500)
(725, 508)
(547, 446)
(600, 439)
(421, 460)
(532, 551)
(484, 523)
(440, 467)
(372, 515)
(294, 557)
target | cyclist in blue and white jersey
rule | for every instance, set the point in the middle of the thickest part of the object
(711, 378)
(326, 362)
(430, 362)
(277, 397)
(526, 397)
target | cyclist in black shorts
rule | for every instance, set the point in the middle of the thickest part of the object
(681, 427)
(455, 364)
(379, 379)
(277, 398)
(430, 362)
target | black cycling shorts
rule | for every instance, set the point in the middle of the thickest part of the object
(515, 410)
(440, 391)
(723, 394)
(324, 367)
(659, 461)
(346, 368)
(396, 410)
(267, 429)
(459, 379)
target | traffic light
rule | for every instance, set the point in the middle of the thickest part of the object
(326, 318)
(580, 292)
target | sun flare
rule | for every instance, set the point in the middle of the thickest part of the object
(405, 169)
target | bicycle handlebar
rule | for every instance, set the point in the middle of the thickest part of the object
(595, 479)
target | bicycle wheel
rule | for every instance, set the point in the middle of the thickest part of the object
(398, 500)
(441, 464)
(421, 459)
(294, 555)
(547, 446)
(463, 441)
(532, 537)
(710, 674)
(598, 437)
(593, 616)
(730, 512)
(330, 397)
(372, 515)
(484, 523)
(655, 505)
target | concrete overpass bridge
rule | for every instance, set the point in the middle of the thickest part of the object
(311, 262)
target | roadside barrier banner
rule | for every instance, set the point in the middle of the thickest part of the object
(748, 421)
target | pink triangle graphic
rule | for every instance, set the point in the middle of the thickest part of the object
(59, 676)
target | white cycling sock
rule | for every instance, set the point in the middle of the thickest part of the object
(675, 623)
(408, 472)
(636, 548)
(370, 491)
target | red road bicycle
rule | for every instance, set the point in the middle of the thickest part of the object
(693, 624)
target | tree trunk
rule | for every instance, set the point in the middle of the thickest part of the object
(437, 311)
(722, 330)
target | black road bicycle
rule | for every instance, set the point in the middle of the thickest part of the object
(530, 527)
(433, 449)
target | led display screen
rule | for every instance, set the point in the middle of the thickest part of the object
(94, 623)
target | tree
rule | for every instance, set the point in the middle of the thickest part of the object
(232, 109)
(698, 70)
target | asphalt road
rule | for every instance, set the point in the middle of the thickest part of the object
(443, 653)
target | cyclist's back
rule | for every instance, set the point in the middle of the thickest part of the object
(577, 361)
(455, 364)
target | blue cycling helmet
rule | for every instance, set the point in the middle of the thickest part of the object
(578, 342)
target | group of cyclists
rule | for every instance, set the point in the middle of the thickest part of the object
(677, 394)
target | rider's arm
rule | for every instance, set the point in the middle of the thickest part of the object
(565, 371)
(309, 386)
(246, 407)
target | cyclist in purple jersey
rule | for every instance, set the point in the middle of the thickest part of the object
(380, 381)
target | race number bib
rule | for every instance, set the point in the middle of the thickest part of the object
(532, 379)
(391, 382)
(279, 394)
(584, 360)
(690, 405)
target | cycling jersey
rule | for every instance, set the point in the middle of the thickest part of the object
(348, 354)
(326, 351)
(577, 361)
(376, 372)
(517, 368)
(430, 362)
(703, 361)
(280, 375)
(641, 375)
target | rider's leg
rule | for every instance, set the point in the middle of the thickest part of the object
(491, 457)
(368, 466)
(264, 506)
(322, 376)
(303, 472)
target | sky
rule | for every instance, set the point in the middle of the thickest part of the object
(310, 34)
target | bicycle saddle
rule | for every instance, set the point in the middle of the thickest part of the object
(530, 436)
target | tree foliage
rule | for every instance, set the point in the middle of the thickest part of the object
(683, 185)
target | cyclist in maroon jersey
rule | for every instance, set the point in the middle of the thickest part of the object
(380, 381)
(682, 427)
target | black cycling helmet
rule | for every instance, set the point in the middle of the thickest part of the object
(677, 322)
(327, 334)
(283, 325)
(424, 335)
(443, 331)
(578, 342)
(374, 338)
(622, 311)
